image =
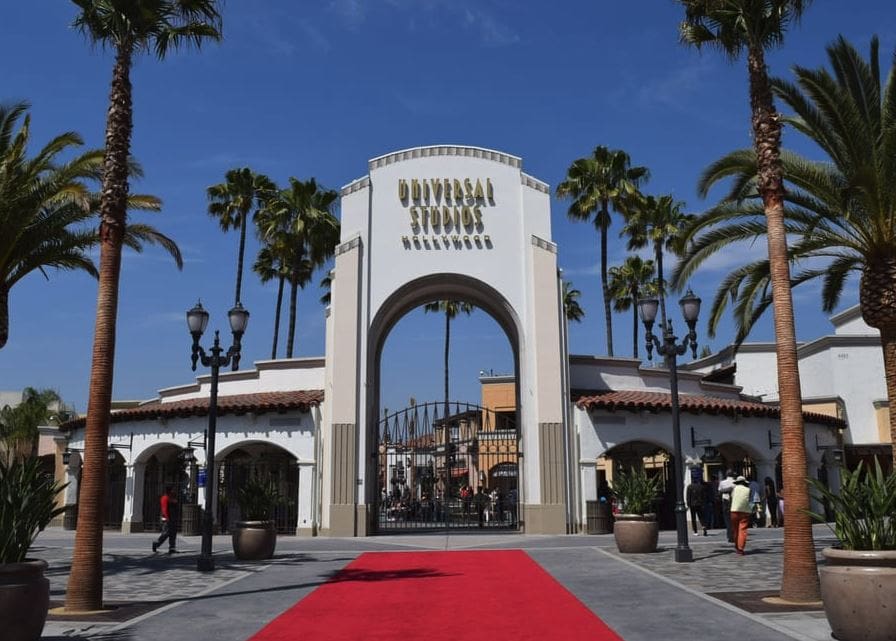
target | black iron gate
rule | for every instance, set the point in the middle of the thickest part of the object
(236, 470)
(456, 471)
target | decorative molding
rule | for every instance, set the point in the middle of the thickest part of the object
(355, 185)
(348, 245)
(544, 244)
(534, 183)
(445, 150)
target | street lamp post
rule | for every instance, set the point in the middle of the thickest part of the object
(671, 350)
(197, 321)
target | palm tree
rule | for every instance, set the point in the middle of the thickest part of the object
(232, 201)
(42, 203)
(298, 225)
(602, 180)
(842, 213)
(752, 26)
(451, 308)
(268, 265)
(571, 306)
(627, 283)
(659, 223)
(128, 28)
(18, 425)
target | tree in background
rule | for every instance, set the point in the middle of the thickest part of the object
(752, 26)
(19, 423)
(595, 183)
(128, 28)
(841, 214)
(269, 265)
(231, 203)
(628, 283)
(571, 306)
(451, 308)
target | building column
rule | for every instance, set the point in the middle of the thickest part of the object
(305, 500)
(132, 521)
(72, 472)
(588, 480)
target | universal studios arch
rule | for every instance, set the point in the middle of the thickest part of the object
(444, 223)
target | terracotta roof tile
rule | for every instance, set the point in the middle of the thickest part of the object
(260, 403)
(697, 404)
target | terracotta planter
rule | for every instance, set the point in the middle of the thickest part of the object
(24, 600)
(636, 533)
(859, 592)
(254, 540)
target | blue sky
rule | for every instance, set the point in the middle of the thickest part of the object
(315, 89)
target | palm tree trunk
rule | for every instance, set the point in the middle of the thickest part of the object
(608, 316)
(661, 285)
(447, 348)
(277, 317)
(888, 344)
(291, 330)
(85, 583)
(800, 577)
(239, 258)
(4, 315)
(635, 297)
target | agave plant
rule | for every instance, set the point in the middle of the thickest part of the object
(864, 509)
(636, 490)
(258, 498)
(27, 505)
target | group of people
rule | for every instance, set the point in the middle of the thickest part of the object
(487, 506)
(744, 504)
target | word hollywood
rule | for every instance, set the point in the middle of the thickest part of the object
(446, 212)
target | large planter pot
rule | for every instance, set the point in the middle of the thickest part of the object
(254, 540)
(636, 533)
(859, 594)
(24, 600)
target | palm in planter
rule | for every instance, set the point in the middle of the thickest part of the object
(858, 581)
(255, 537)
(636, 529)
(27, 505)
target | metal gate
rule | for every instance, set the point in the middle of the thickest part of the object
(233, 473)
(447, 472)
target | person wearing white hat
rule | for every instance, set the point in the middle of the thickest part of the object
(740, 513)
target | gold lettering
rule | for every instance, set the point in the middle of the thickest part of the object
(434, 216)
(425, 217)
(447, 190)
(436, 188)
(468, 188)
(426, 191)
(458, 190)
(487, 239)
(489, 190)
(402, 189)
(477, 193)
(477, 214)
(466, 216)
(415, 190)
(457, 217)
(446, 217)
(405, 240)
(415, 220)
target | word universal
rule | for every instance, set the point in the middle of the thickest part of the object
(446, 212)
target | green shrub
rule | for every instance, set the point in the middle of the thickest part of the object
(27, 505)
(864, 510)
(636, 490)
(258, 498)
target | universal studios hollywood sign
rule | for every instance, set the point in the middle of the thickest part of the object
(446, 213)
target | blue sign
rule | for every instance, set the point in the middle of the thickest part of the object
(200, 477)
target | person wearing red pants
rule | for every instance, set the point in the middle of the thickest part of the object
(740, 513)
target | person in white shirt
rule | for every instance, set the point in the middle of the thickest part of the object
(741, 508)
(725, 487)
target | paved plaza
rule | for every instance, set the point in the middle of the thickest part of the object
(642, 597)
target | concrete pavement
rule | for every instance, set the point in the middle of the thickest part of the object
(642, 597)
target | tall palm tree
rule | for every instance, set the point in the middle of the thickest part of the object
(658, 223)
(269, 265)
(841, 214)
(752, 26)
(628, 282)
(595, 183)
(451, 308)
(232, 201)
(43, 201)
(571, 307)
(298, 223)
(129, 28)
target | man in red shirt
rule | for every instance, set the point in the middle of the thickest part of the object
(168, 504)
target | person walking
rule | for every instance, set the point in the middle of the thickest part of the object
(709, 506)
(740, 513)
(771, 499)
(757, 513)
(725, 487)
(168, 505)
(481, 499)
(695, 499)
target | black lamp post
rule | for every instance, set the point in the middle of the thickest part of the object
(670, 350)
(197, 321)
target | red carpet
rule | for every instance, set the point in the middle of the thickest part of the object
(439, 596)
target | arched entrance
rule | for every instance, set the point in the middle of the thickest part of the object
(444, 223)
(164, 467)
(116, 477)
(653, 459)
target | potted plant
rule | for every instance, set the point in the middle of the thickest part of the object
(858, 580)
(255, 537)
(27, 505)
(636, 529)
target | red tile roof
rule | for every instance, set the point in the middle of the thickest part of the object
(238, 404)
(697, 404)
